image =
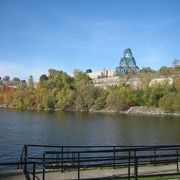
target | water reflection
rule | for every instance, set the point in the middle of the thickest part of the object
(68, 128)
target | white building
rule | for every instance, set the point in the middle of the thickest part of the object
(102, 73)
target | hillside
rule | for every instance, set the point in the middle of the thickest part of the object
(58, 90)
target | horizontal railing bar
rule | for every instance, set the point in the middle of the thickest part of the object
(95, 165)
(55, 146)
(84, 166)
(105, 159)
(93, 146)
(112, 157)
(16, 163)
(93, 160)
(99, 151)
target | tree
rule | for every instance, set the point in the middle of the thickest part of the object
(177, 83)
(48, 101)
(40, 93)
(171, 102)
(8, 98)
(165, 71)
(152, 94)
(6, 78)
(79, 76)
(31, 83)
(64, 99)
(100, 102)
(116, 101)
(15, 81)
(147, 70)
(86, 94)
(43, 78)
(43, 81)
(22, 84)
(88, 71)
(177, 102)
(57, 79)
(52, 72)
(167, 101)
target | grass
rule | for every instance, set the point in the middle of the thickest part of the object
(175, 177)
(158, 177)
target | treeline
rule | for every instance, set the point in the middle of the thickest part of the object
(58, 90)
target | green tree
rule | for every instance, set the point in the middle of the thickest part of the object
(31, 83)
(152, 94)
(79, 76)
(177, 102)
(165, 71)
(48, 101)
(86, 95)
(58, 79)
(15, 81)
(100, 102)
(147, 70)
(116, 101)
(65, 99)
(167, 101)
(22, 84)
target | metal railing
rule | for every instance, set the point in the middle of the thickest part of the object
(127, 157)
(20, 164)
(45, 157)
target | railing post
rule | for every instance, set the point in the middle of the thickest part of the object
(129, 165)
(134, 157)
(25, 157)
(62, 159)
(78, 166)
(43, 166)
(34, 170)
(72, 155)
(177, 159)
(154, 156)
(136, 168)
(114, 157)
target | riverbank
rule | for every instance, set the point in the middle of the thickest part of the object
(135, 110)
(149, 111)
(141, 110)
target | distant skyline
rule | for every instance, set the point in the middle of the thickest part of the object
(38, 35)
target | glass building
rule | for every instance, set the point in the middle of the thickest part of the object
(127, 63)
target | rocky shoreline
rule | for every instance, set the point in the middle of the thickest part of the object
(149, 111)
(135, 110)
(140, 110)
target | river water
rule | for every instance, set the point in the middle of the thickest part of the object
(67, 128)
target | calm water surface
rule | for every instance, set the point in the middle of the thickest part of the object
(60, 128)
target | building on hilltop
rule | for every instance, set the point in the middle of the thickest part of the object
(101, 74)
(127, 63)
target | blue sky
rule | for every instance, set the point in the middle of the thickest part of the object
(80, 34)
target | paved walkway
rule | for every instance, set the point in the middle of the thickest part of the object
(88, 174)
